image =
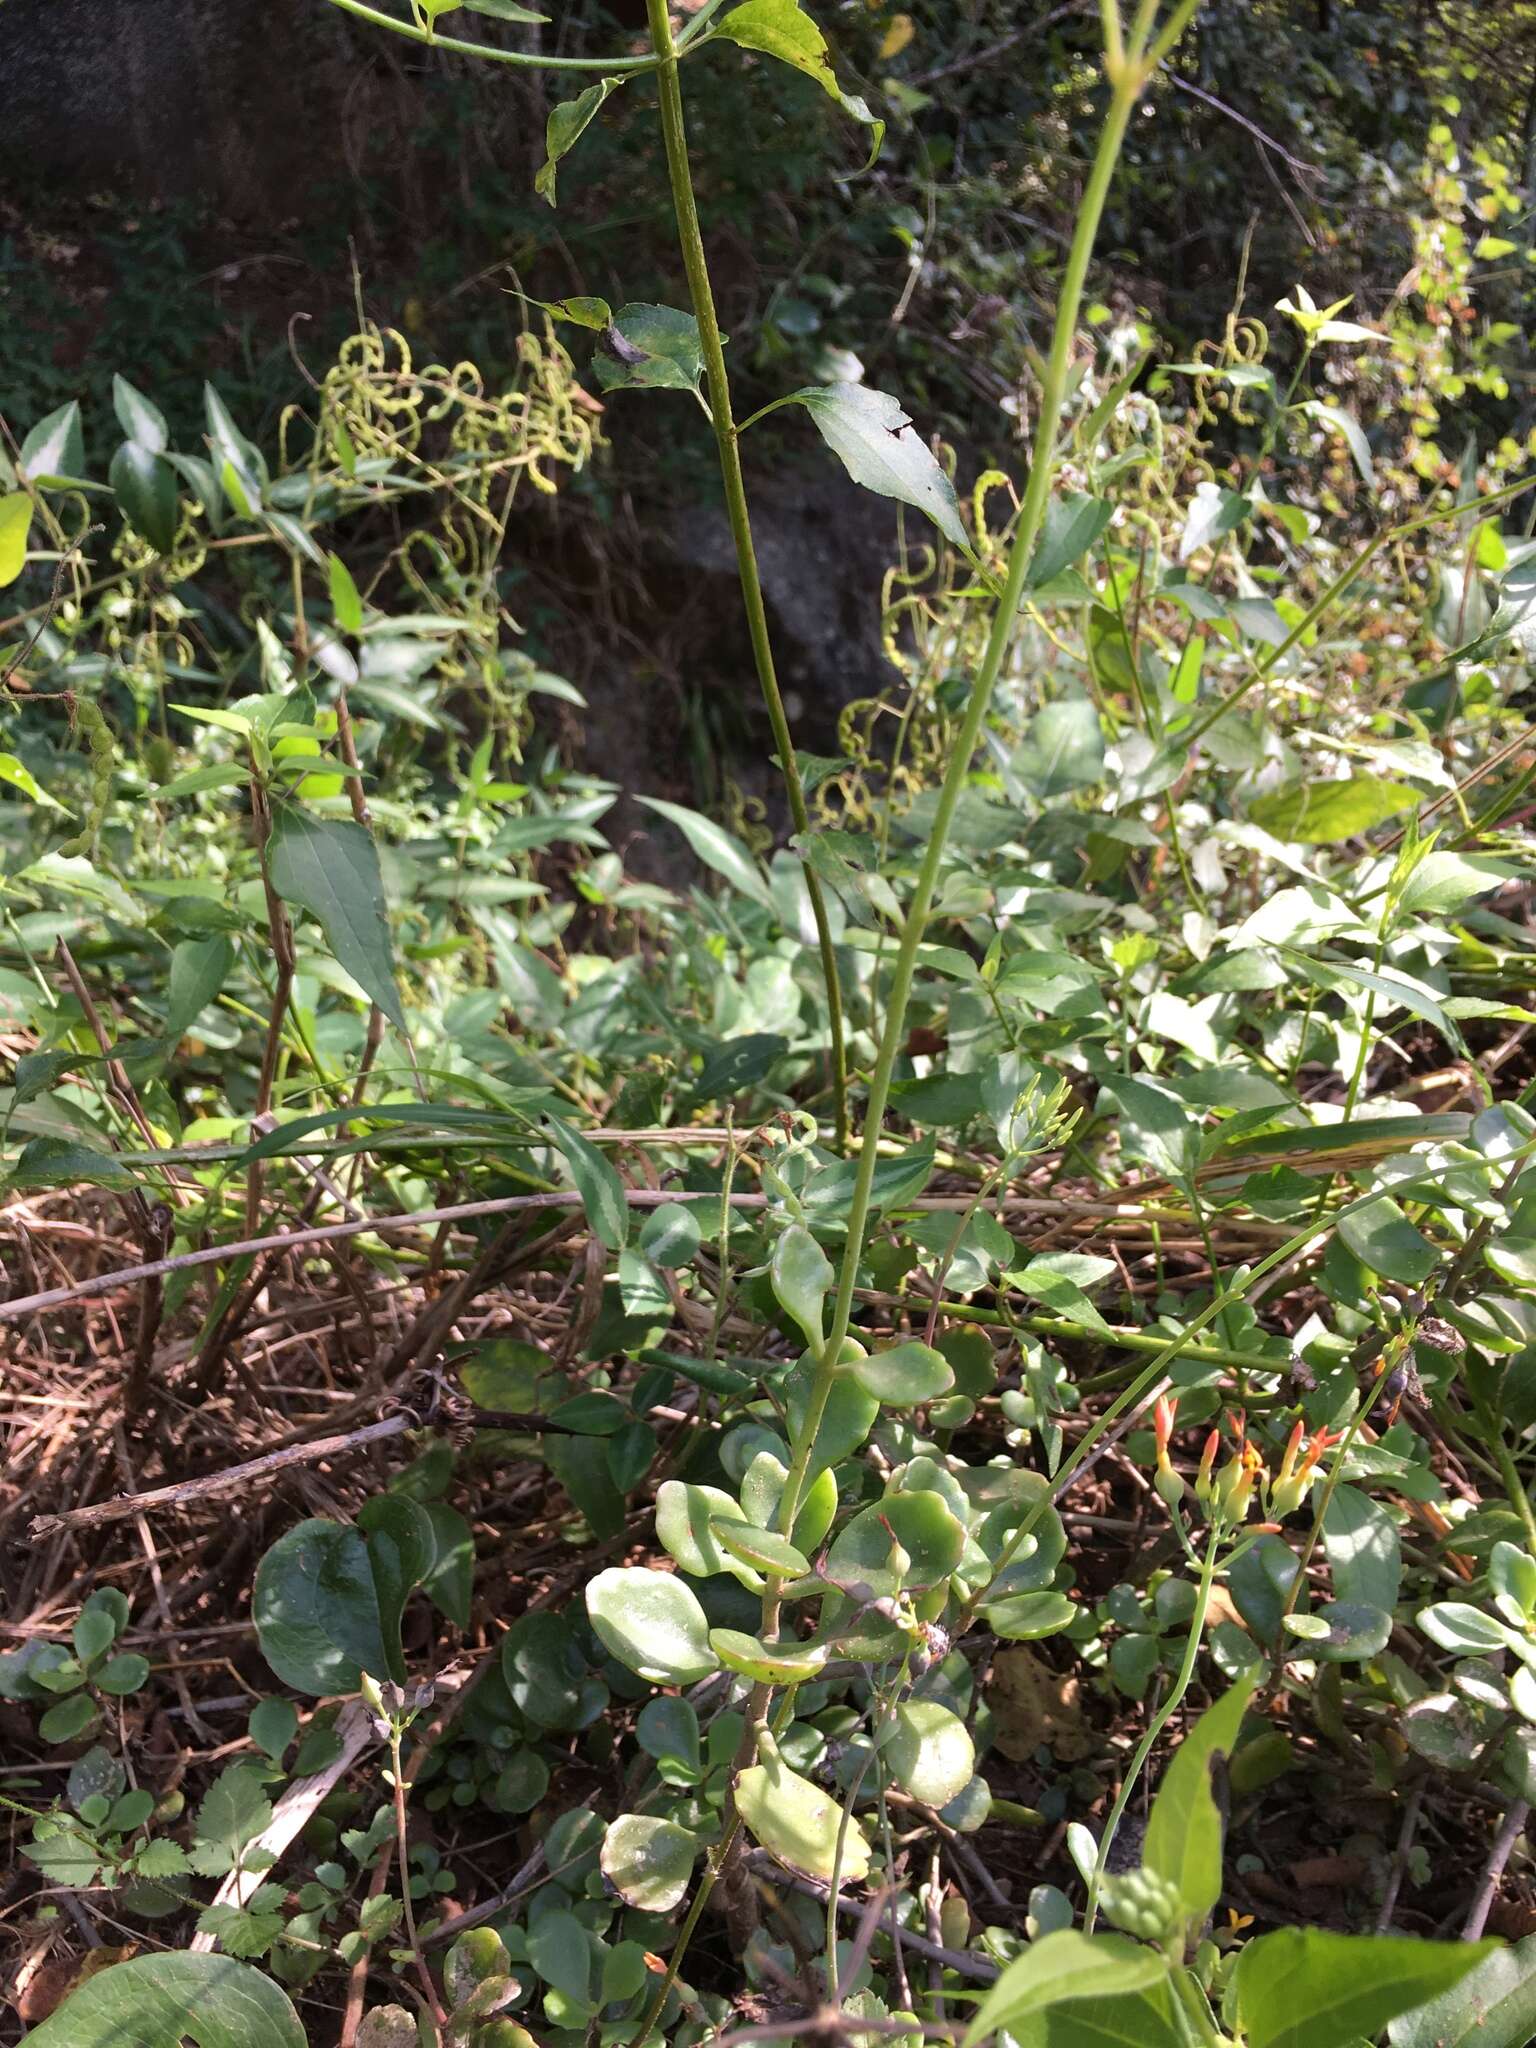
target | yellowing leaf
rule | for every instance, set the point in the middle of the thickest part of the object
(897, 36)
(15, 524)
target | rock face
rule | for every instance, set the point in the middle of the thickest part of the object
(215, 99)
(668, 725)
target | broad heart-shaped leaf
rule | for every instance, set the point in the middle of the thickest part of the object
(1072, 524)
(1063, 1968)
(1212, 513)
(652, 1623)
(566, 125)
(929, 1752)
(1184, 1835)
(1494, 2006)
(139, 419)
(650, 348)
(1321, 813)
(15, 525)
(905, 1375)
(802, 1277)
(54, 451)
(161, 2001)
(779, 28)
(648, 1861)
(546, 1672)
(1062, 748)
(717, 848)
(330, 867)
(877, 444)
(402, 1553)
(144, 485)
(797, 1822)
(328, 1598)
(597, 1182)
(1381, 1237)
(1304, 1988)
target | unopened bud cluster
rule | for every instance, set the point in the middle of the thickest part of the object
(1142, 1903)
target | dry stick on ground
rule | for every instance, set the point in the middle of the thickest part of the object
(1504, 1841)
(1400, 1859)
(963, 1964)
(413, 1219)
(185, 1492)
(189, 1490)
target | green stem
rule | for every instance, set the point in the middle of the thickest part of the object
(524, 59)
(1155, 1727)
(434, 2004)
(1128, 85)
(1509, 1472)
(675, 138)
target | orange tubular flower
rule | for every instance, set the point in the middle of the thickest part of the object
(1170, 1486)
(1294, 1480)
(1205, 1485)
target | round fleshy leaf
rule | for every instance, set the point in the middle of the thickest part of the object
(930, 1752)
(971, 1807)
(648, 1861)
(387, 2026)
(783, 1663)
(906, 1375)
(1356, 1631)
(1455, 1625)
(1026, 1617)
(762, 1488)
(688, 1520)
(799, 1824)
(922, 1526)
(668, 1730)
(651, 1622)
(475, 1959)
(847, 1418)
(1444, 1730)
(764, 1549)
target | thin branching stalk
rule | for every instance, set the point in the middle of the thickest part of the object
(1155, 1727)
(675, 138)
(1128, 74)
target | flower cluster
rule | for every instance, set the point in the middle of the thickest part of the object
(1228, 1494)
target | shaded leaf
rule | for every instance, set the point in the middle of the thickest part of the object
(1304, 1988)
(330, 867)
(161, 2001)
(877, 444)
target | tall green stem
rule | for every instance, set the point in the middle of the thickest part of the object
(675, 137)
(1129, 77)
(1155, 1727)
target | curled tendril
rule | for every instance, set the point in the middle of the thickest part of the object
(747, 817)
